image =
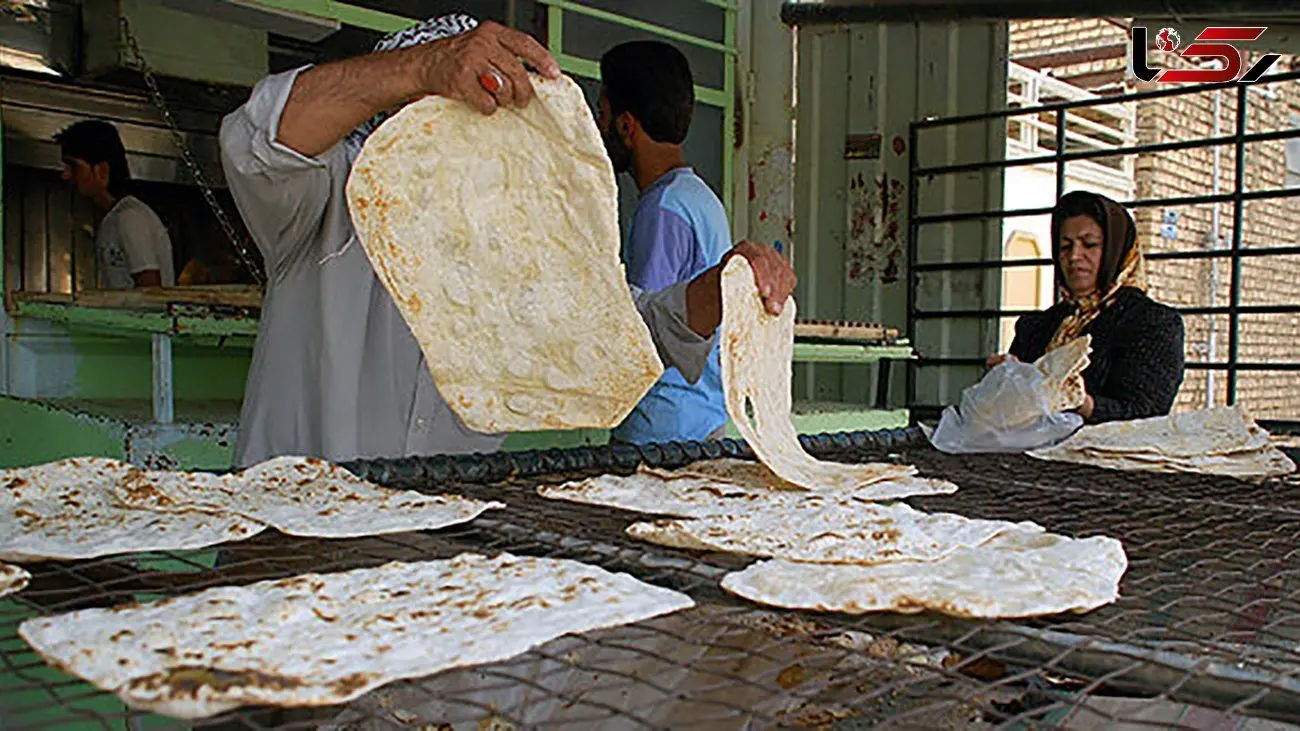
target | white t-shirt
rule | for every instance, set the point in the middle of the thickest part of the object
(132, 239)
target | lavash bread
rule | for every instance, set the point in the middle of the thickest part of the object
(757, 358)
(691, 492)
(12, 579)
(1063, 369)
(68, 510)
(498, 238)
(324, 639)
(1221, 441)
(830, 531)
(1016, 574)
(758, 475)
(305, 497)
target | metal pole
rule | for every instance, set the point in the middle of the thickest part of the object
(1212, 341)
(1060, 189)
(1060, 150)
(1238, 205)
(164, 405)
(913, 256)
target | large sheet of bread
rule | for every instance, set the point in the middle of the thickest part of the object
(829, 531)
(692, 496)
(306, 497)
(12, 579)
(1016, 574)
(1063, 370)
(316, 640)
(758, 475)
(1220, 441)
(69, 510)
(757, 356)
(498, 239)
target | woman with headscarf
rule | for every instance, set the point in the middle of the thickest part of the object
(1137, 343)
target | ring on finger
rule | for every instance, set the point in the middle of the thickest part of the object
(492, 81)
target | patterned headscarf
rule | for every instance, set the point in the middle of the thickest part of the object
(1122, 263)
(435, 29)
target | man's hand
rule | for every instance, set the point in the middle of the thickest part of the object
(452, 67)
(331, 100)
(772, 274)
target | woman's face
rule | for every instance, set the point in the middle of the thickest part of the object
(1081, 245)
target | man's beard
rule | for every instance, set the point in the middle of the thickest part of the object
(619, 154)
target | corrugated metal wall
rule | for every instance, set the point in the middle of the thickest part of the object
(858, 88)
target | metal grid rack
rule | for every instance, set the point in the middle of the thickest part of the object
(1209, 614)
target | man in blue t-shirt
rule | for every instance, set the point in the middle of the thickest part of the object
(679, 228)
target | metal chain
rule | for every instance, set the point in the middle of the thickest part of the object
(235, 239)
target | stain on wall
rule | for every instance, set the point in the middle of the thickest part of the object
(874, 244)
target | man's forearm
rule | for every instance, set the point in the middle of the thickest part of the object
(704, 301)
(329, 101)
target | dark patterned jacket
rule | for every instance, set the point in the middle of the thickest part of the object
(1137, 354)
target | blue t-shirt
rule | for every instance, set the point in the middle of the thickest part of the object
(678, 230)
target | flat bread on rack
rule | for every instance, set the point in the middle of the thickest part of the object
(1016, 574)
(757, 357)
(498, 238)
(1221, 441)
(758, 475)
(69, 510)
(12, 579)
(305, 497)
(823, 530)
(692, 493)
(325, 639)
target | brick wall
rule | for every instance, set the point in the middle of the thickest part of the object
(1165, 175)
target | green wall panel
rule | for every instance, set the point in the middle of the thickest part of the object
(31, 433)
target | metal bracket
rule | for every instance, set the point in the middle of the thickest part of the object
(164, 404)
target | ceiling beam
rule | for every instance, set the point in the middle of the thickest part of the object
(1096, 79)
(918, 11)
(1057, 59)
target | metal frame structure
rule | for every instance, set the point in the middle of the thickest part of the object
(1235, 253)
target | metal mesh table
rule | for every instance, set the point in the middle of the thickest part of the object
(1209, 613)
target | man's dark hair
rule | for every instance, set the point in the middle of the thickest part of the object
(652, 80)
(97, 141)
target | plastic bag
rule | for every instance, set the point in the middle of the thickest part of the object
(1010, 410)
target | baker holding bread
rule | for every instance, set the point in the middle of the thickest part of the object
(336, 372)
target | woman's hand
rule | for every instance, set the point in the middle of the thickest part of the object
(1086, 408)
(996, 360)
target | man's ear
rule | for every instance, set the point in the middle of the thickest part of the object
(627, 127)
(102, 172)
